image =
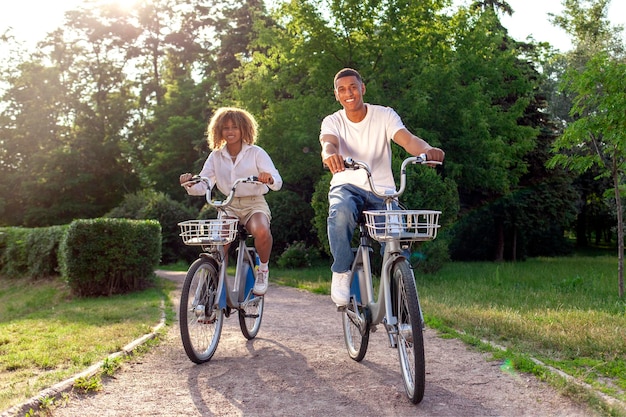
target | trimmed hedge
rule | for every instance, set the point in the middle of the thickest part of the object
(151, 205)
(30, 252)
(110, 256)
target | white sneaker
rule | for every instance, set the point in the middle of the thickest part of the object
(261, 282)
(340, 288)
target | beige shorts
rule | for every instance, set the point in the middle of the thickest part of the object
(244, 207)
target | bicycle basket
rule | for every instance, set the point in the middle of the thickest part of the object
(208, 232)
(402, 225)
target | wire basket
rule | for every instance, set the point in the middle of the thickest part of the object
(402, 225)
(208, 232)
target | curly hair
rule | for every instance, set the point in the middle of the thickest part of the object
(241, 118)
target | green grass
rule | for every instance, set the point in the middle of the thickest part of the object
(565, 312)
(47, 336)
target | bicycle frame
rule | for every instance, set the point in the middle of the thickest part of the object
(241, 288)
(362, 284)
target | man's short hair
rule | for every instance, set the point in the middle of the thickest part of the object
(347, 72)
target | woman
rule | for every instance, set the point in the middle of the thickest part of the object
(232, 133)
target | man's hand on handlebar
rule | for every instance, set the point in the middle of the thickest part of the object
(334, 163)
(435, 155)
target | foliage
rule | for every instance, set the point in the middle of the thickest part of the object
(110, 256)
(319, 203)
(429, 257)
(298, 255)
(533, 221)
(116, 100)
(30, 252)
(291, 220)
(596, 137)
(149, 204)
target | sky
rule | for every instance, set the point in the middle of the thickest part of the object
(31, 20)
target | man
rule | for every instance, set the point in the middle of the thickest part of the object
(364, 132)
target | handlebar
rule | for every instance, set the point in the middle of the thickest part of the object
(253, 179)
(421, 159)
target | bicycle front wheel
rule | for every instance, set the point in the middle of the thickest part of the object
(410, 338)
(200, 322)
(356, 330)
(250, 316)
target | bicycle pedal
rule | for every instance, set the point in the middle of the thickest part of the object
(341, 309)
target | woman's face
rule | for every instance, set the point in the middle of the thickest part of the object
(231, 133)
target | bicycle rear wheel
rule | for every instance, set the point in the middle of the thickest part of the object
(250, 316)
(356, 330)
(200, 323)
(410, 338)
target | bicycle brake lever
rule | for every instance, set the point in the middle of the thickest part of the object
(350, 163)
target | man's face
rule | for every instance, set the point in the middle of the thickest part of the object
(349, 92)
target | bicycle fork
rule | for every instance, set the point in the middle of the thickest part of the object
(390, 320)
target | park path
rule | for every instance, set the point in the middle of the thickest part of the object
(298, 366)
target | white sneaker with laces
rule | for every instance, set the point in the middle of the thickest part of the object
(340, 288)
(261, 283)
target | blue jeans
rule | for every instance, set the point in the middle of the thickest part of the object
(346, 202)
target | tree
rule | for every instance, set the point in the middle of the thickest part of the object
(597, 137)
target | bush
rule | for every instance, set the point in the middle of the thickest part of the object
(291, 220)
(149, 204)
(430, 257)
(110, 256)
(31, 252)
(297, 255)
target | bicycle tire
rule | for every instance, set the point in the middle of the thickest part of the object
(200, 323)
(410, 337)
(251, 315)
(356, 336)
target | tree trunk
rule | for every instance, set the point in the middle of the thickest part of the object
(620, 236)
(514, 245)
(499, 255)
(581, 228)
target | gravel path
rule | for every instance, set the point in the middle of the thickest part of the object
(298, 366)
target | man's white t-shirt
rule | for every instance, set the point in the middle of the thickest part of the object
(369, 141)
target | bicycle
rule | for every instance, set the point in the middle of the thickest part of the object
(208, 293)
(397, 306)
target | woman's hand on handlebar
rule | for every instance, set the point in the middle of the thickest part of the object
(188, 180)
(265, 178)
(185, 178)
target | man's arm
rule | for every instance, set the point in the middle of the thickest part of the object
(416, 146)
(330, 153)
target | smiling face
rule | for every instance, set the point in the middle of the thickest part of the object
(231, 133)
(349, 92)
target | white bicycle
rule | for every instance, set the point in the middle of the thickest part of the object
(397, 305)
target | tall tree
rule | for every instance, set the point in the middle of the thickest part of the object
(585, 98)
(75, 90)
(597, 135)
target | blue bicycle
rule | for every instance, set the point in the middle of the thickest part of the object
(208, 293)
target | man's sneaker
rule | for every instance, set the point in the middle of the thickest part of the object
(261, 282)
(340, 288)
